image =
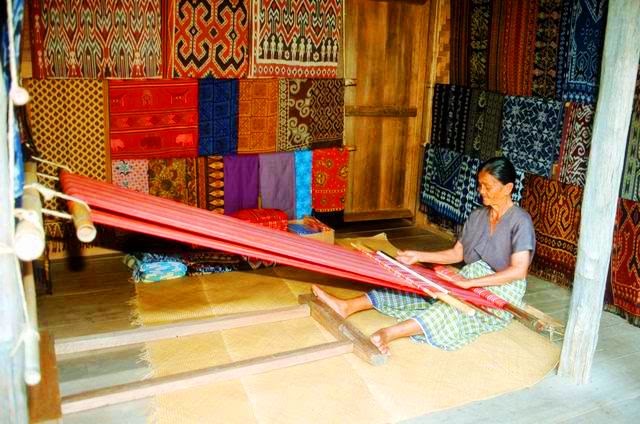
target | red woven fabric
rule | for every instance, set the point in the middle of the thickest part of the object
(330, 168)
(625, 265)
(271, 218)
(153, 119)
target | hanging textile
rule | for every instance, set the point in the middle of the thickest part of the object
(327, 113)
(303, 163)
(580, 49)
(131, 174)
(217, 117)
(517, 47)
(153, 119)
(257, 115)
(467, 186)
(479, 42)
(439, 194)
(450, 117)
(631, 174)
(330, 168)
(460, 25)
(296, 39)
(531, 130)
(96, 39)
(576, 143)
(483, 128)
(496, 29)
(174, 179)
(240, 182)
(555, 210)
(546, 52)
(211, 183)
(210, 38)
(294, 114)
(277, 182)
(68, 126)
(625, 268)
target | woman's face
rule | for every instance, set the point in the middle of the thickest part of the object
(493, 192)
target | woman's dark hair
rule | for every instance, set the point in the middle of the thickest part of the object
(501, 169)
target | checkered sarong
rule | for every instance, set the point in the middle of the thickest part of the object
(444, 326)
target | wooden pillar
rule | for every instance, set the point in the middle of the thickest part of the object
(610, 129)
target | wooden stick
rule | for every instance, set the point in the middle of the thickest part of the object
(32, 338)
(343, 330)
(147, 388)
(178, 329)
(29, 236)
(85, 230)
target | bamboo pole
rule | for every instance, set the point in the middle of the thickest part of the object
(29, 239)
(611, 124)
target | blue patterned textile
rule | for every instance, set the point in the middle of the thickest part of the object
(450, 116)
(531, 132)
(303, 160)
(218, 117)
(439, 192)
(580, 49)
(153, 267)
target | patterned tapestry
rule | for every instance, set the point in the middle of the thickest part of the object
(278, 182)
(96, 38)
(131, 174)
(68, 126)
(303, 160)
(517, 47)
(581, 40)
(483, 127)
(460, 41)
(296, 38)
(174, 179)
(555, 210)
(546, 52)
(240, 182)
(217, 117)
(327, 113)
(439, 194)
(625, 268)
(531, 130)
(294, 114)
(210, 38)
(450, 117)
(257, 115)
(631, 174)
(153, 119)
(479, 42)
(576, 143)
(211, 183)
(330, 169)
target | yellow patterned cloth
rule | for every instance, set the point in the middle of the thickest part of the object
(257, 115)
(174, 179)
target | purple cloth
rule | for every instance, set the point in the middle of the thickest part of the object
(240, 183)
(278, 182)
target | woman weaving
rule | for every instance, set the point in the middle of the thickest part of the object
(497, 245)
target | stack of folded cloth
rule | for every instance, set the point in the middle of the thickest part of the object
(272, 218)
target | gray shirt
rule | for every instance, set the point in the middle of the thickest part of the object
(513, 233)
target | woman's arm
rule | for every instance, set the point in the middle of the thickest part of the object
(444, 257)
(516, 270)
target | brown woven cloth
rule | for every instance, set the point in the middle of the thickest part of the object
(257, 115)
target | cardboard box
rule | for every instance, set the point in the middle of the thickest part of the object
(327, 236)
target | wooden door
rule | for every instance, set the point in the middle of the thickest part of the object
(386, 60)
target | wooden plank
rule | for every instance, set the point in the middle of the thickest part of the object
(147, 388)
(378, 215)
(44, 398)
(610, 127)
(382, 111)
(178, 329)
(343, 330)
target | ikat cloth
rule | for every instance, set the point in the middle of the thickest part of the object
(444, 326)
(631, 174)
(296, 39)
(531, 131)
(545, 62)
(576, 143)
(483, 127)
(450, 117)
(96, 38)
(217, 117)
(257, 115)
(174, 179)
(330, 169)
(211, 183)
(294, 114)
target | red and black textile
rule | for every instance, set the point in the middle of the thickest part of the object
(479, 42)
(96, 39)
(327, 113)
(211, 183)
(625, 263)
(209, 38)
(153, 119)
(271, 218)
(460, 25)
(545, 63)
(330, 168)
(555, 209)
(576, 143)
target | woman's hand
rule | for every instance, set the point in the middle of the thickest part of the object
(409, 257)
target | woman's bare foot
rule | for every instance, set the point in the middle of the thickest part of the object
(381, 341)
(340, 306)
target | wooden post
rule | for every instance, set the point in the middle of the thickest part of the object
(611, 125)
